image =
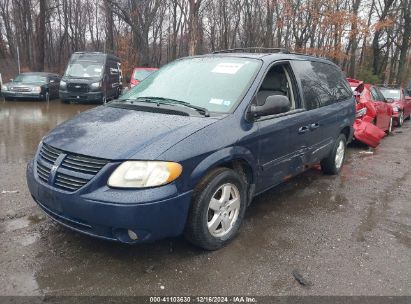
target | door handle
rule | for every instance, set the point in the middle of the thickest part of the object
(304, 129)
(314, 126)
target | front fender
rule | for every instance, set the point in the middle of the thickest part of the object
(220, 157)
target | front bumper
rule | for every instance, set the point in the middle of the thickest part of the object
(81, 96)
(110, 213)
(26, 95)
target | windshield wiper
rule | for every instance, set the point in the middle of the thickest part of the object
(162, 100)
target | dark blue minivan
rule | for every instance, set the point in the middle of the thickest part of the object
(188, 149)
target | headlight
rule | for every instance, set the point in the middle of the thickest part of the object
(395, 109)
(143, 174)
(63, 84)
(95, 85)
(4, 88)
(36, 89)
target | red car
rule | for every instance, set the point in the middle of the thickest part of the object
(374, 115)
(378, 110)
(400, 102)
(139, 74)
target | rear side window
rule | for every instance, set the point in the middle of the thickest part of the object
(322, 84)
(376, 94)
(113, 66)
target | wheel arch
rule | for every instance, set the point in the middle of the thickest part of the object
(236, 158)
(347, 132)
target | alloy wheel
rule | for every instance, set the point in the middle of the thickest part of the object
(339, 155)
(223, 210)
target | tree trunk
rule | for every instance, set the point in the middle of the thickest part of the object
(41, 31)
(109, 27)
(405, 41)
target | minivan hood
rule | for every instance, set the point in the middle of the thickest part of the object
(118, 134)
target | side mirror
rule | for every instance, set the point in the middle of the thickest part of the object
(275, 104)
(11, 79)
(408, 98)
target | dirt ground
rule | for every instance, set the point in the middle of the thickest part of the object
(344, 235)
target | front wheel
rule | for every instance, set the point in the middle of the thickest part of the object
(400, 120)
(333, 163)
(217, 210)
(390, 126)
(46, 96)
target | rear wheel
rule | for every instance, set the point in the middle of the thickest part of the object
(217, 210)
(333, 163)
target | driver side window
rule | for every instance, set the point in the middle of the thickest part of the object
(277, 82)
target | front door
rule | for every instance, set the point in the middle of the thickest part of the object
(276, 138)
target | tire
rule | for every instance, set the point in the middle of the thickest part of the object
(334, 162)
(46, 97)
(206, 220)
(390, 126)
(400, 120)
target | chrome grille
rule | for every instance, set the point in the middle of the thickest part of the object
(49, 154)
(73, 172)
(83, 164)
(20, 89)
(77, 87)
(43, 172)
(69, 182)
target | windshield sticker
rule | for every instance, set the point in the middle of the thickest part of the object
(216, 101)
(393, 91)
(227, 68)
(227, 103)
(98, 70)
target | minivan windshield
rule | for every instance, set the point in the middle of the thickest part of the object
(391, 94)
(30, 78)
(214, 83)
(84, 69)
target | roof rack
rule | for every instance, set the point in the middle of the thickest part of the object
(254, 50)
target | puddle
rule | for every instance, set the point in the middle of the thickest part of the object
(27, 240)
(20, 284)
(15, 224)
(20, 223)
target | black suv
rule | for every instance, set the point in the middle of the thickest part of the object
(32, 85)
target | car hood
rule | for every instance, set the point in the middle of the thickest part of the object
(24, 84)
(86, 80)
(118, 134)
